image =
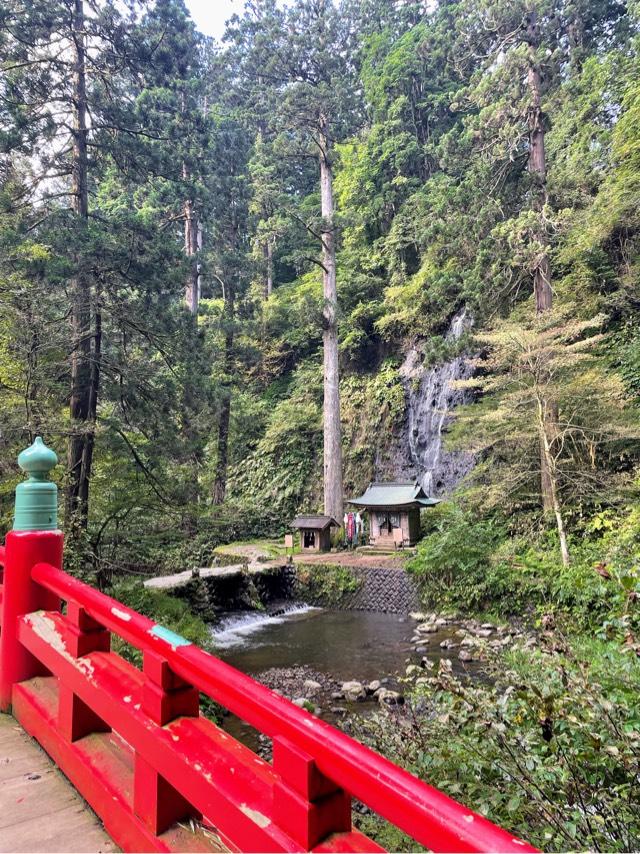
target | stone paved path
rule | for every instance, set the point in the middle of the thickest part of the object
(39, 809)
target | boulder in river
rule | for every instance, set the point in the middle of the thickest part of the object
(354, 691)
(311, 687)
(426, 628)
(465, 655)
(387, 697)
(373, 686)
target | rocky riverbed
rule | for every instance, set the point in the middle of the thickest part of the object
(340, 664)
(466, 640)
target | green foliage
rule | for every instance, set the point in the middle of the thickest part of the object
(454, 563)
(324, 584)
(547, 748)
(468, 564)
(167, 610)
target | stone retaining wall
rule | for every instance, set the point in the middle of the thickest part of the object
(381, 589)
(391, 591)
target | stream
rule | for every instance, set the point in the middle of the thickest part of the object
(327, 646)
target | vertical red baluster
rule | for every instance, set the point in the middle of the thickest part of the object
(82, 636)
(307, 805)
(164, 697)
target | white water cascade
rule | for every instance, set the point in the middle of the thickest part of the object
(235, 629)
(430, 399)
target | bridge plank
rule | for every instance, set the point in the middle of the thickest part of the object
(39, 809)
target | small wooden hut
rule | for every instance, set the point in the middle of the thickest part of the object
(315, 532)
(394, 512)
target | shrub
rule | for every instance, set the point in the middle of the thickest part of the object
(548, 748)
(324, 584)
(453, 564)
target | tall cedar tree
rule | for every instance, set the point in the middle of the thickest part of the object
(306, 54)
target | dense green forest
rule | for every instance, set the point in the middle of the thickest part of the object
(215, 258)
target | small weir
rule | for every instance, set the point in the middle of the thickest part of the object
(237, 628)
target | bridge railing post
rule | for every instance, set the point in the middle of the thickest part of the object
(35, 538)
(82, 635)
(307, 805)
(164, 697)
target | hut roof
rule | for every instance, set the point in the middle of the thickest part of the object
(394, 494)
(314, 522)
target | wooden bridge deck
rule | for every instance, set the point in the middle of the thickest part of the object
(39, 809)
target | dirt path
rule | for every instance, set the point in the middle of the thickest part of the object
(356, 559)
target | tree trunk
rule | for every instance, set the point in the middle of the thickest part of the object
(538, 168)
(542, 291)
(79, 459)
(94, 388)
(545, 443)
(333, 494)
(220, 482)
(267, 253)
(228, 292)
(192, 241)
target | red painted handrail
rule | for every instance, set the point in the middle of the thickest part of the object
(420, 810)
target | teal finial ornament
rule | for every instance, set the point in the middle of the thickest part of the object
(36, 506)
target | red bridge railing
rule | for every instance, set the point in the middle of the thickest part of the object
(161, 776)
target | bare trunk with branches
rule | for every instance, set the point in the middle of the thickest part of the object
(542, 290)
(85, 367)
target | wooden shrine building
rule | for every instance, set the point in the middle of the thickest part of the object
(394, 512)
(315, 532)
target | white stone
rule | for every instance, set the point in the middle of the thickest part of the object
(390, 698)
(353, 690)
(427, 628)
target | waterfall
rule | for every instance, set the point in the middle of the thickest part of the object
(430, 400)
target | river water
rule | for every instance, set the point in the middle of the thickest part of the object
(330, 646)
(342, 644)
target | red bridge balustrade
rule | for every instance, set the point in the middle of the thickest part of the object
(161, 776)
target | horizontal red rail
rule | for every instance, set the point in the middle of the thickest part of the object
(418, 809)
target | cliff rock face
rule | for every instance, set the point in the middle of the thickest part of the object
(416, 448)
